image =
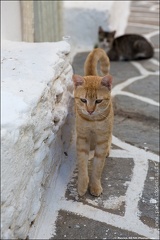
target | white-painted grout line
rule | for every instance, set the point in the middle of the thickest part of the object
(119, 153)
(140, 17)
(143, 25)
(140, 68)
(154, 8)
(143, 99)
(135, 187)
(116, 89)
(141, 10)
(151, 34)
(154, 61)
(108, 218)
(134, 150)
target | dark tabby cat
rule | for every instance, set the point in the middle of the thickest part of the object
(126, 47)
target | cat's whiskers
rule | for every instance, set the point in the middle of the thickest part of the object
(95, 113)
(104, 109)
(103, 115)
(79, 110)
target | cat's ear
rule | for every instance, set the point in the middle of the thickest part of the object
(100, 29)
(78, 80)
(107, 81)
(113, 33)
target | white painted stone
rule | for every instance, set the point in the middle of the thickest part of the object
(153, 201)
(36, 94)
(113, 202)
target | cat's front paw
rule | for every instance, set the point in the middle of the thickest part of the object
(96, 189)
(107, 154)
(82, 186)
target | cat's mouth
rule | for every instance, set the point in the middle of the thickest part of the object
(88, 113)
(94, 113)
(104, 45)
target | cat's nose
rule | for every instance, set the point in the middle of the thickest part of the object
(90, 112)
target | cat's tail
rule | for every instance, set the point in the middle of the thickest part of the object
(90, 66)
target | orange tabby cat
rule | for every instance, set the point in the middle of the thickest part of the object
(94, 120)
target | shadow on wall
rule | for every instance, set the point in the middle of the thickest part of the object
(82, 25)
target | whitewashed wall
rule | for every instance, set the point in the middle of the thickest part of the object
(81, 20)
(36, 88)
(11, 20)
(31, 21)
(119, 14)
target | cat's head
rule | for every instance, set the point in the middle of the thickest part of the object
(92, 95)
(105, 38)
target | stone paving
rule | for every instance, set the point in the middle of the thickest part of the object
(128, 207)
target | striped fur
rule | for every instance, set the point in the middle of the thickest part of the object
(94, 120)
(90, 67)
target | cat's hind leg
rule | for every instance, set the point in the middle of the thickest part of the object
(142, 50)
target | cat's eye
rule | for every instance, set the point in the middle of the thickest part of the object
(83, 100)
(98, 100)
(101, 38)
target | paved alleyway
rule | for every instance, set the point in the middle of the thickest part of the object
(128, 207)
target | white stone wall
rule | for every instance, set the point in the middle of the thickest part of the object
(36, 94)
(119, 14)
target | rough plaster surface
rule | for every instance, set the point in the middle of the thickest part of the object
(36, 94)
